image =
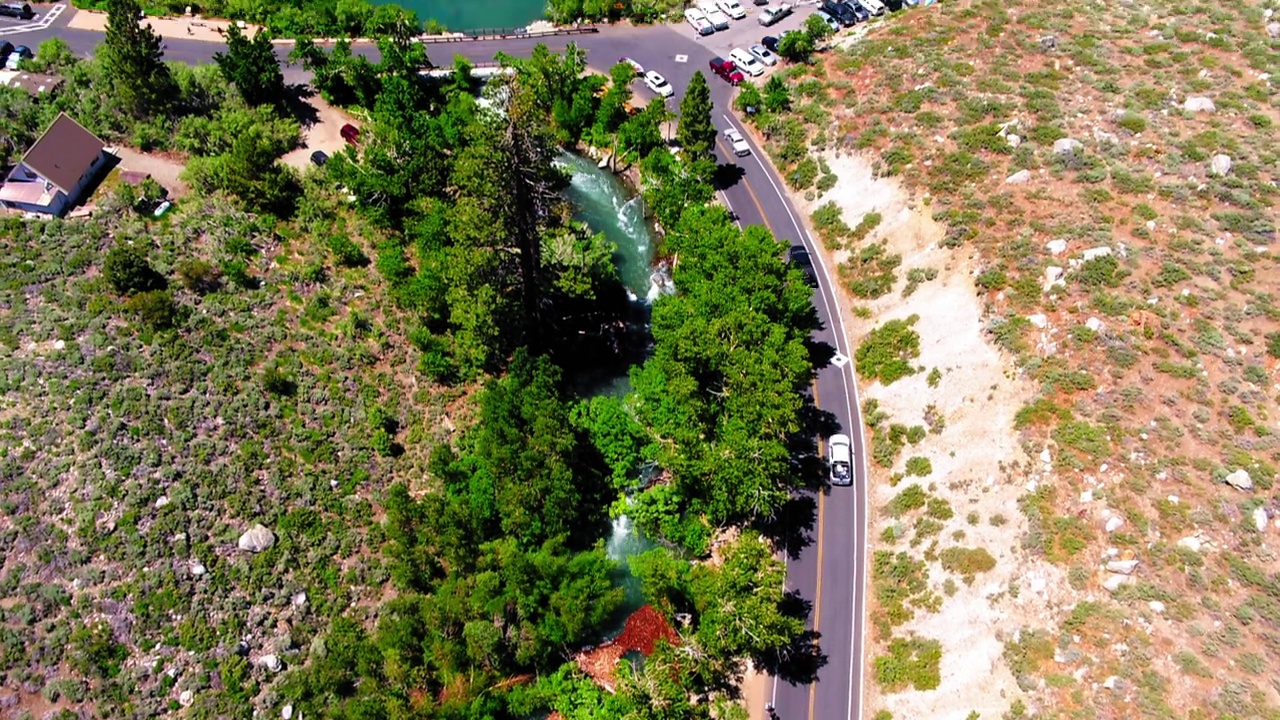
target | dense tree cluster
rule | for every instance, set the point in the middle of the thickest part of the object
(324, 18)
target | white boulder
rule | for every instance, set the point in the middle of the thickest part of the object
(1219, 165)
(1096, 252)
(1094, 324)
(1114, 523)
(1014, 140)
(256, 539)
(1156, 606)
(1040, 320)
(1115, 582)
(1239, 479)
(1260, 518)
(1056, 247)
(1022, 177)
(1123, 567)
(271, 662)
(1066, 146)
(1191, 543)
(286, 712)
(1198, 103)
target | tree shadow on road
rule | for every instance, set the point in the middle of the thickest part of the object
(727, 175)
(799, 661)
(791, 529)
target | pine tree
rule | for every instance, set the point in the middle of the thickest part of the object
(695, 132)
(133, 63)
(251, 65)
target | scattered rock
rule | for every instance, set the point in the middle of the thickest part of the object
(1048, 42)
(1094, 324)
(271, 662)
(1219, 165)
(1123, 567)
(1052, 277)
(197, 568)
(1115, 582)
(1273, 29)
(1191, 543)
(1022, 177)
(1156, 606)
(1045, 457)
(1260, 518)
(1096, 252)
(161, 502)
(1114, 523)
(1199, 103)
(1040, 320)
(1066, 146)
(1239, 479)
(59, 344)
(1173, 499)
(1056, 247)
(1014, 140)
(286, 712)
(1102, 137)
(300, 599)
(1111, 683)
(1086, 496)
(256, 539)
(186, 698)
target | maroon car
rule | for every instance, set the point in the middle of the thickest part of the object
(727, 70)
(350, 133)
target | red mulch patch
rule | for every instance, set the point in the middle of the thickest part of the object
(644, 628)
(642, 631)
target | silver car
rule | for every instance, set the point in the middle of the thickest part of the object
(840, 457)
(762, 53)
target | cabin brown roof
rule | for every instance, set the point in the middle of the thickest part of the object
(33, 83)
(64, 153)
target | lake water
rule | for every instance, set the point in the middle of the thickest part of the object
(477, 14)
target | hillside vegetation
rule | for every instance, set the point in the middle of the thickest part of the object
(1107, 172)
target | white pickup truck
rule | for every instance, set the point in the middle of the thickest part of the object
(698, 20)
(771, 15)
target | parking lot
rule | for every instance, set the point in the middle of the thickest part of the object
(44, 17)
(747, 31)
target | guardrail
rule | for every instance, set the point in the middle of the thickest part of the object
(507, 33)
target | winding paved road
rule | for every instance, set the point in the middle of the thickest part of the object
(832, 570)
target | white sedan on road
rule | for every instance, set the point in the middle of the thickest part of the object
(737, 142)
(658, 84)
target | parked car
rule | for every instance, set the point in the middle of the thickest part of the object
(830, 21)
(350, 133)
(17, 9)
(161, 209)
(840, 457)
(893, 5)
(840, 11)
(6, 47)
(737, 142)
(732, 8)
(718, 19)
(658, 84)
(799, 257)
(770, 43)
(764, 55)
(727, 70)
(638, 67)
(319, 158)
(772, 15)
(761, 2)
(746, 62)
(859, 12)
(20, 53)
(699, 22)
(875, 7)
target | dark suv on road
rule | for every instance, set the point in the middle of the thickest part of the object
(799, 257)
(727, 70)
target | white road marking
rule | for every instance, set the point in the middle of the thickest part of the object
(839, 360)
(682, 58)
(841, 338)
(40, 24)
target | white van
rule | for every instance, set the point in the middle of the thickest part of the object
(699, 21)
(875, 7)
(732, 8)
(746, 62)
(719, 20)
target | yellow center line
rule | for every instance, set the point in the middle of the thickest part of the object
(729, 153)
(817, 600)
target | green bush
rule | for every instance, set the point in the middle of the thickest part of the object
(911, 662)
(967, 561)
(803, 175)
(1099, 272)
(992, 279)
(888, 350)
(870, 273)
(127, 270)
(912, 497)
(1133, 122)
(869, 222)
(1170, 274)
(346, 253)
(919, 466)
(155, 309)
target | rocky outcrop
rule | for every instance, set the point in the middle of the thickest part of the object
(256, 539)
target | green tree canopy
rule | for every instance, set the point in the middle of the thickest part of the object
(133, 63)
(251, 65)
(695, 131)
